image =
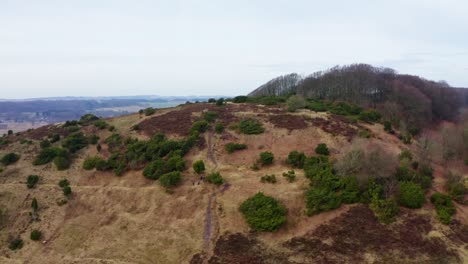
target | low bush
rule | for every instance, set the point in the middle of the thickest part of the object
(268, 178)
(34, 204)
(16, 244)
(149, 111)
(10, 158)
(199, 126)
(54, 138)
(45, 143)
(100, 124)
(48, 154)
(63, 183)
(370, 116)
(75, 142)
(67, 191)
(93, 139)
(266, 158)
(444, 207)
(251, 126)
(232, 147)
(322, 149)
(406, 174)
(170, 179)
(62, 162)
(199, 166)
(321, 199)
(295, 102)
(411, 195)
(290, 175)
(388, 127)
(405, 155)
(220, 102)
(154, 169)
(364, 133)
(219, 128)
(215, 178)
(386, 210)
(87, 118)
(36, 235)
(346, 109)
(457, 191)
(263, 213)
(210, 116)
(349, 190)
(90, 163)
(32, 180)
(296, 159)
(240, 99)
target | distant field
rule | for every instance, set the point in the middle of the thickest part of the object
(18, 127)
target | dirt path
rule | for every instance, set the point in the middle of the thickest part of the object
(210, 153)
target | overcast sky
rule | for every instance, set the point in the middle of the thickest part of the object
(113, 47)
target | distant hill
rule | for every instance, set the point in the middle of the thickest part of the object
(421, 101)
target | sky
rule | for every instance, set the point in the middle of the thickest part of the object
(114, 47)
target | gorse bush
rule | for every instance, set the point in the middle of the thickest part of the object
(266, 158)
(296, 159)
(48, 154)
(232, 147)
(263, 213)
(219, 128)
(16, 244)
(290, 175)
(87, 118)
(45, 143)
(36, 235)
(411, 195)
(386, 210)
(240, 99)
(322, 149)
(64, 182)
(295, 102)
(67, 191)
(10, 158)
(62, 162)
(75, 142)
(444, 207)
(250, 126)
(370, 116)
(268, 178)
(198, 166)
(170, 179)
(200, 126)
(321, 199)
(210, 116)
(100, 124)
(32, 180)
(90, 163)
(406, 174)
(215, 178)
(149, 111)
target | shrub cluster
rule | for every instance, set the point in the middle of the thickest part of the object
(290, 175)
(170, 179)
(444, 207)
(198, 166)
(16, 244)
(322, 149)
(149, 111)
(240, 99)
(36, 235)
(411, 195)
(219, 128)
(75, 142)
(65, 185)
(370, 116)
(232, 147)
(10, 158)
(251, 126)
(32, 180)
(268, 178)
(266, 158)
(210, 116)
(296, 159)
(215, 178)
(263, 213)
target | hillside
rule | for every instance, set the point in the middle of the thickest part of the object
(132, 195)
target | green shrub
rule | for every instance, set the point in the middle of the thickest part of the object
(318, 105)
(232, 147)
(406, 174)
(370, 116)
(114, 142)
(90, 163)
(199, 166)
(16, 244)
(10, 158)
(268, 178)
(364, 133)
(36, 235)
(54, 138)
(88, 118)
(349, 190)
(239, 99)
(457, 191)
(62, 163)
(93, 139)
(154, 169)
(100, 124)
(266, 158)
(220, 102)
(322, 149)
(210, 116)
(411, 195)
(444, 207)
(215, 178)
(34, 204)
(170, 179)
(67, 191)
(98, 147)
(321, 199)
(251, 126)
(295, 102)
(211, 100)
(75, 142)
(32, 180)
(48, 154)
(290, 175)
(405, 155)
(219, 128)
(263, 213)
(385, 210)
(342, 108)
(103, 165)
(63, 183)
(388, 127)
(149, 111)
(45, 143)
(296, 159)
(199, 126)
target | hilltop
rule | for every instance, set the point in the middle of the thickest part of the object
(283, 179)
